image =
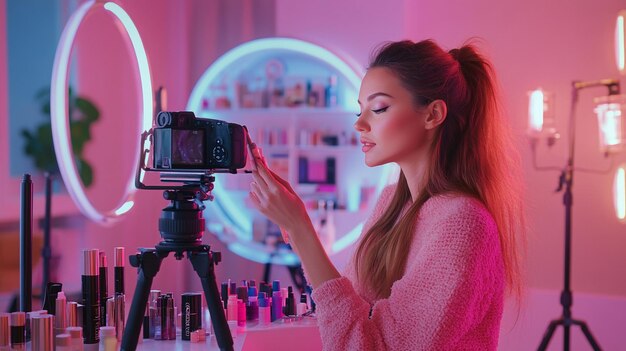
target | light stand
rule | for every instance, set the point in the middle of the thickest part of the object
(566, 181)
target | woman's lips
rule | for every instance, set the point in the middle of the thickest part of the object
(367, 146)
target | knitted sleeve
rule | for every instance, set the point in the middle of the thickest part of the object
(450, 296)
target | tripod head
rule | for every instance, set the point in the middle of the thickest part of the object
(181, 224)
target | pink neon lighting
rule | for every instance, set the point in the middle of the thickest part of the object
(619, 193)
(619, 42)
(535, 111)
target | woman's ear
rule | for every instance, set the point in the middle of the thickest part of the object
(437, 112)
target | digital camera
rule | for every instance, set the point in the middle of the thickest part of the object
(182, 141)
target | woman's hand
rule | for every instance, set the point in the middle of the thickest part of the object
(274, 197)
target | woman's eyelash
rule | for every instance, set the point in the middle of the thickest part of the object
(380, 110)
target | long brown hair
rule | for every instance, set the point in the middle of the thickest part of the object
(471, 154)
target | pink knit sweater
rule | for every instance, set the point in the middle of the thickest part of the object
(449, 298)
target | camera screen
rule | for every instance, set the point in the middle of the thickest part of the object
(187, 147)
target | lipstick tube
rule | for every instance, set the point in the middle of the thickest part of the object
(42, 327)
(120, 315)
(5, 331)
(161, 331)
(60, 316)
(119, 270)
(18, 330)
(120, 298)
(72, 314)
(166, 329)
(91, 302)
(171, 317)
(110, 312)
(103, 288)
(154, 312)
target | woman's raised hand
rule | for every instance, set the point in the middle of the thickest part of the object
(275, 198)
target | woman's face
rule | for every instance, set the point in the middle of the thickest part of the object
(392, 127)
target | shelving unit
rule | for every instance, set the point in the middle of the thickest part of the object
(291, 138)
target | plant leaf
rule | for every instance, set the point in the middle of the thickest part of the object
(89, 110)
(84, 171)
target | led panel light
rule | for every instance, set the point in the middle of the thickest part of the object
(620, 41)
(610, 111)
(619, 193)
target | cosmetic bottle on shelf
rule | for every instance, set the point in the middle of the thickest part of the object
(332, 92)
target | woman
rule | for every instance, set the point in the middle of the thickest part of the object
(438, 254)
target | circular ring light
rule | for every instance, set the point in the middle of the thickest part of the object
(59, 107)
(230, 212)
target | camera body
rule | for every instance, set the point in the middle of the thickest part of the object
(184, 142)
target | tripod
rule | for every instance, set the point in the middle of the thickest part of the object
(181, 226)
(566, 179)
(566, 319)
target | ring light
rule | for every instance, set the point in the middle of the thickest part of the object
(59, 106)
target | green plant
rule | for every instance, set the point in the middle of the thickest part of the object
(39, 145)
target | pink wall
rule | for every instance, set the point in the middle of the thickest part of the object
(351, 29)
(548, 44)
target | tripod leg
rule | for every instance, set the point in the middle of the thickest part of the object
(148, 262)
(203, 265)
(587, 332)
(548, 335)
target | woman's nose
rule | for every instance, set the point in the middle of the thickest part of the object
(360, 125)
